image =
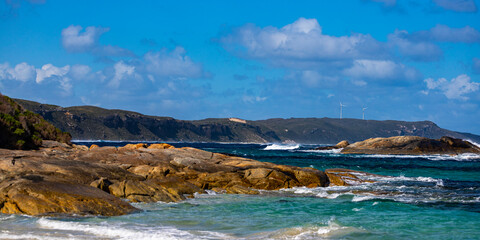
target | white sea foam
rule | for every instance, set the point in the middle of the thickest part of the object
(130, 231)
(332, 230)
(474, 143)
(331, 151)
(282, 147)
(6, 217)
(7, 235)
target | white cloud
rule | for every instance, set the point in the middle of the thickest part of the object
(49, 70)
(421, 45)
(174, 64)
(123, 71)
(455, 88)
(299, 42)
(444, 33)
(253, 99)
(76, 40)
(21, 72)
(457, 5)
(380, 70)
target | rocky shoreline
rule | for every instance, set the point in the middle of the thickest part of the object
(62, 179)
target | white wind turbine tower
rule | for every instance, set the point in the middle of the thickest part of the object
(363, 112)
(341, 109)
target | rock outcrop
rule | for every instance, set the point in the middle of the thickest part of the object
(339, 145)
(71, 179)
(411, 145)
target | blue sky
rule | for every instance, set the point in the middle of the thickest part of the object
(403, 59)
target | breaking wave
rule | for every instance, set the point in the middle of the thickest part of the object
(126, 231)
(282, 147)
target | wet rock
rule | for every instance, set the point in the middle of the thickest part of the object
(347, 177)
(339, 145)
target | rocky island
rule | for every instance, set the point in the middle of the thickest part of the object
(407, 145)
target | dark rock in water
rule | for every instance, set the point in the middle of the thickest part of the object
(411, 145)
(339, 145)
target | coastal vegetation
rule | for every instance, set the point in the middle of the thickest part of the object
(23, 129)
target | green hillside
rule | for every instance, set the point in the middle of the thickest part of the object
(23, 129)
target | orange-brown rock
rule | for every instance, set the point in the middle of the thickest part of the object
(160, 146)
(76, 180)
(347, 177)
(33, 195)
(411, 145)
(134, 146)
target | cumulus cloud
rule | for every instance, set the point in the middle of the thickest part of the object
(51, 72)
(381, 70)
(173, 64)
(444, 33)
(21, 72)
(455, 88)
(77, 41)
(122, 71)
(421, 45)
(457, 5)
(299, 44)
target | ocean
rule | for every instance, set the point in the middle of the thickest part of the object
(416, 197)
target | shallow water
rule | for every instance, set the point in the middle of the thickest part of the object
(435, 197)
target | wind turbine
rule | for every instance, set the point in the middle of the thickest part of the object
(341, 109)
(363, 112)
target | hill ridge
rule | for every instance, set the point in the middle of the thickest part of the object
(95, 123)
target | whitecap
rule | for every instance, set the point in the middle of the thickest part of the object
(130, 231)
(332, 230)
(282, 147)
(331, 151)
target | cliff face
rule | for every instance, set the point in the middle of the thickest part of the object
(23, 129)
(87, 122)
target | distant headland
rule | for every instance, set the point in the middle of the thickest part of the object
(94, 123)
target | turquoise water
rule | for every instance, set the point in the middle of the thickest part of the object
(436, 197)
